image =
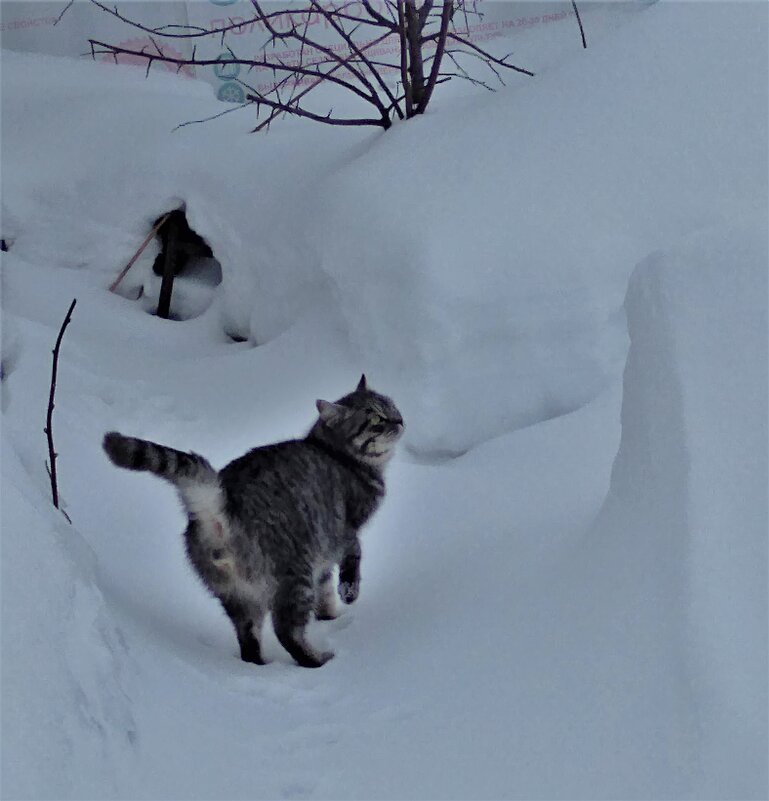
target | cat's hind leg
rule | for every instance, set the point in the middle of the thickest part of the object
(247, 620)
(325, 595)
(349, 573)
(291, 611)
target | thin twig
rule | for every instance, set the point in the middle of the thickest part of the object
(487, 55)
(464, 75)
(212, 117)
(349, 64)
(289, 108)
(300, 60)
(354, 49)
(280, 66)
(155, 229)
(379, 19)
(48, 430)
(328, 51)
(194, 31)
(328, 119)
(64, 11)
(579, 20)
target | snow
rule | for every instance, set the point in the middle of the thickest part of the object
(407, 264)
(564, 594)
(509, 273)
(67, 729)
(691, 473)
(677, 563)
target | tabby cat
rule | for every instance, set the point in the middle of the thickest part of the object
(265, 532)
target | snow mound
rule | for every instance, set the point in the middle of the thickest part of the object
(484, 251)
(641, 659)
(69, 723)
(687, 510)
(505, 645)
(475, 259)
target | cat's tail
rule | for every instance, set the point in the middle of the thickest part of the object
(192, 475)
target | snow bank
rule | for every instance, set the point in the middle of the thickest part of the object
(103, 157)
(476, 259)
(640, 652)
(688, 495)
(68, 728)
(485, 249)
(455, 545)
(503, 646)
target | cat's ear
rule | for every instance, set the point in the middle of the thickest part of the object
(362, 386)
(329, 411)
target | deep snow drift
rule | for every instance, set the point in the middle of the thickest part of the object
(537, 619)
(692, 470)
(670, 589)
(488, 244)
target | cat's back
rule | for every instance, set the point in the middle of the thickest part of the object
(290, 469)
(288, 492)
(290, 459)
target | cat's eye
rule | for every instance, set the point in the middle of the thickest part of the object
(376, 419)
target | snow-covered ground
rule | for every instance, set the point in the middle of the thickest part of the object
(565, 592)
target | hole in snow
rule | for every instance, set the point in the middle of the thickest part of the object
(196, 271)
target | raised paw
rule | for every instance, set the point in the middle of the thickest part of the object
(325, 608)
(348, 591)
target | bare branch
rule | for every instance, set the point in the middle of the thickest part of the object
(579, 20)
(405, 80)
(486, 55)
(212, 117)
(453, 52)
(446, 13)
(375, 19)
(300, 60)
(293, 34)
(328, 119)
(48, 430)
(64, 11)
(114, 285)
(415, 54)
(160, 52)
(351, 64)
(446, 76)
(115, 50)
(378, 18)
(465, 76)
(276, 112)
(424, 11)
(358, 52)
(194, 31)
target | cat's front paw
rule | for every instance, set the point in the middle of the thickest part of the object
(348, 591)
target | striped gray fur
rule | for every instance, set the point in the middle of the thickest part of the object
(173, 465)
(266, 532)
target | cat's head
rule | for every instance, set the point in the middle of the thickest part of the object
(364, 423)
